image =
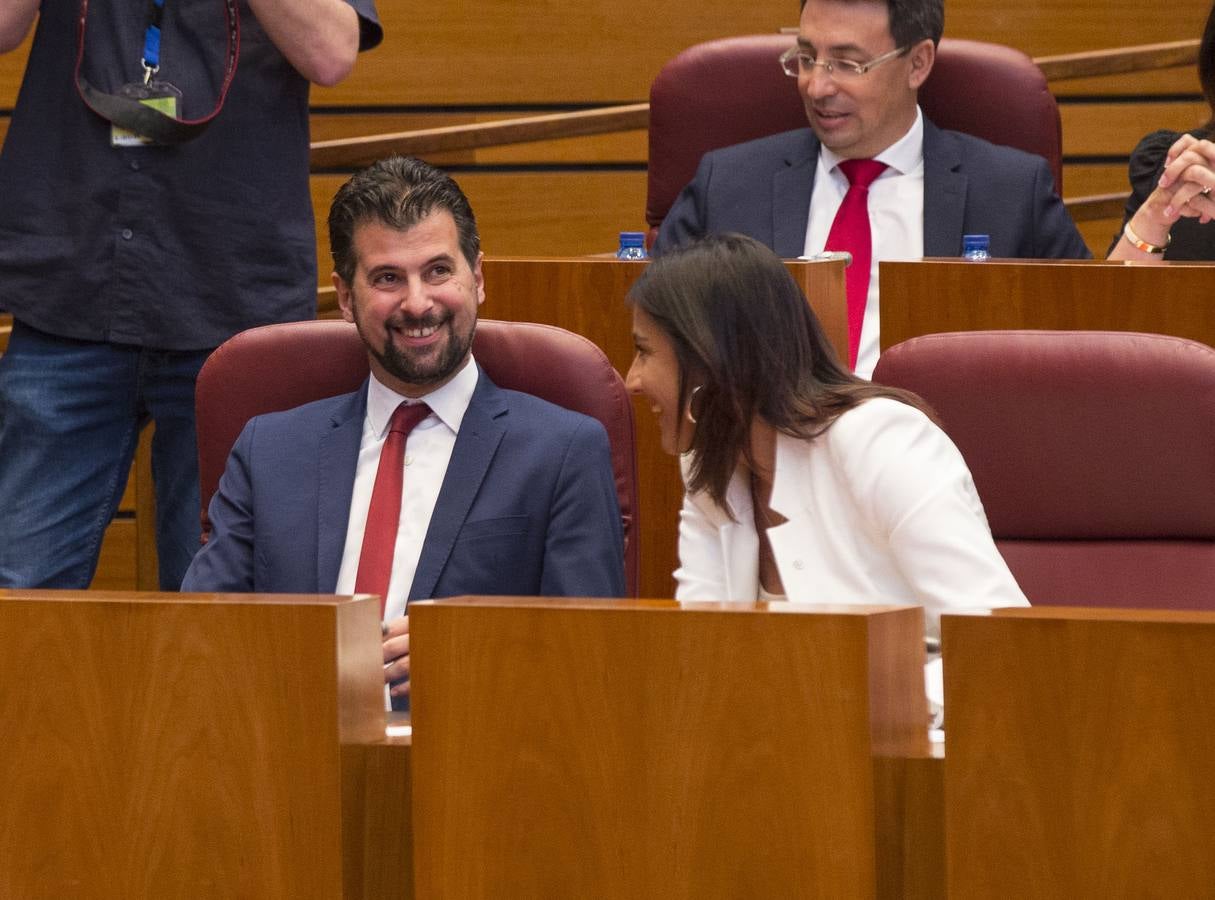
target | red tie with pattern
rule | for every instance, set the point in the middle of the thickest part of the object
(850, 231)
(384, 513)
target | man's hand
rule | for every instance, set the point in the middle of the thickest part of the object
(396, 656)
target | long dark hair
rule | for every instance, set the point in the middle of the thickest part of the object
(747, 341)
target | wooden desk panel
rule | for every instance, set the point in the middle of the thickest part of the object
(936, 295)
(377, 797)
(579, 749)
(1081, 754)
(165, 745)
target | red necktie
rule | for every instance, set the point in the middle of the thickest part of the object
(384, 513)
(850, 231)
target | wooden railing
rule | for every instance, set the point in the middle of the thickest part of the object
(1096, 63)
(363, 151)
(360, 151)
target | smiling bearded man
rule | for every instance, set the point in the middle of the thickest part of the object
(500, 493)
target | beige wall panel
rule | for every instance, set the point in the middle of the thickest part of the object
(532, 51)
(12, 67)
(1093, 178)
(528, 214)
(1087, 180)
(1147, 84)
(1047, 27)
(580, 52)
(1099, 235)
(525, 51)
(116, 568)
(1107, 128)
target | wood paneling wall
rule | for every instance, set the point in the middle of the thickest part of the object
(497, 52)
(503, 58)
(454, 64)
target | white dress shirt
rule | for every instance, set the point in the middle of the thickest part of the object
(880, 509)
(896, 219)
(427, 453)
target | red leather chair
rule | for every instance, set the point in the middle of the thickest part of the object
(732, 90)
(1094, 453)
(281, 366)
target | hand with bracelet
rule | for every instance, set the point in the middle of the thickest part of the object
(1183, 191)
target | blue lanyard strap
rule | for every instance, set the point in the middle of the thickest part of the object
(151, 40)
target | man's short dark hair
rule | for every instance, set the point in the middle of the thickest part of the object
(399, 192)
(912, 20)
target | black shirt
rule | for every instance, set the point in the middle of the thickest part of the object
(170, 247)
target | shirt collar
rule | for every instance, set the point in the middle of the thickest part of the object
(448, 402)
(901, 157)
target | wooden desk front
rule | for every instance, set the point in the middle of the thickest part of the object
(647, 749)
(1081, 753)
(936, 295)
(168, 745)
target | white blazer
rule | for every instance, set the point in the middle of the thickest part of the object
(881, 509)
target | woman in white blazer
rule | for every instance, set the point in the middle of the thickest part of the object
(802, 481)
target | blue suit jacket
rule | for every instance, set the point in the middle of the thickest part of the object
(527, 507)
(762, 188)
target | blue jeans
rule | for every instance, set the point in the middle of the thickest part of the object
(70, 415)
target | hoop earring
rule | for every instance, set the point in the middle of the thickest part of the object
(691, 397)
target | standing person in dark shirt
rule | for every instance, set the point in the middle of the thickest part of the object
(124, 260)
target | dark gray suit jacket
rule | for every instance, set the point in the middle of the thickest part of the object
(762, 188)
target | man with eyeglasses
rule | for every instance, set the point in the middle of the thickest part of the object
(859, 65)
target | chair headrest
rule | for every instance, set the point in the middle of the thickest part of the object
(1074, 434)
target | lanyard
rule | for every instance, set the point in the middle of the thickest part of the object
(151, 39)
(138, 117)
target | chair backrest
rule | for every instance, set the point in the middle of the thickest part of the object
(732, 90)
(1094, 453)
(282, 366)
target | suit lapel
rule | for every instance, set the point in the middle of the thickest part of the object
(944, 193)
(791, 189)
(480, 433)
(337, 459)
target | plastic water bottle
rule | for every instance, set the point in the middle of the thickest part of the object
(632, 245)
(975, 246)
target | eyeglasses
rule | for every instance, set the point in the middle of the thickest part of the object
(796, 61)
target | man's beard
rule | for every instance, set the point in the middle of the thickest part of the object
(422, 372)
